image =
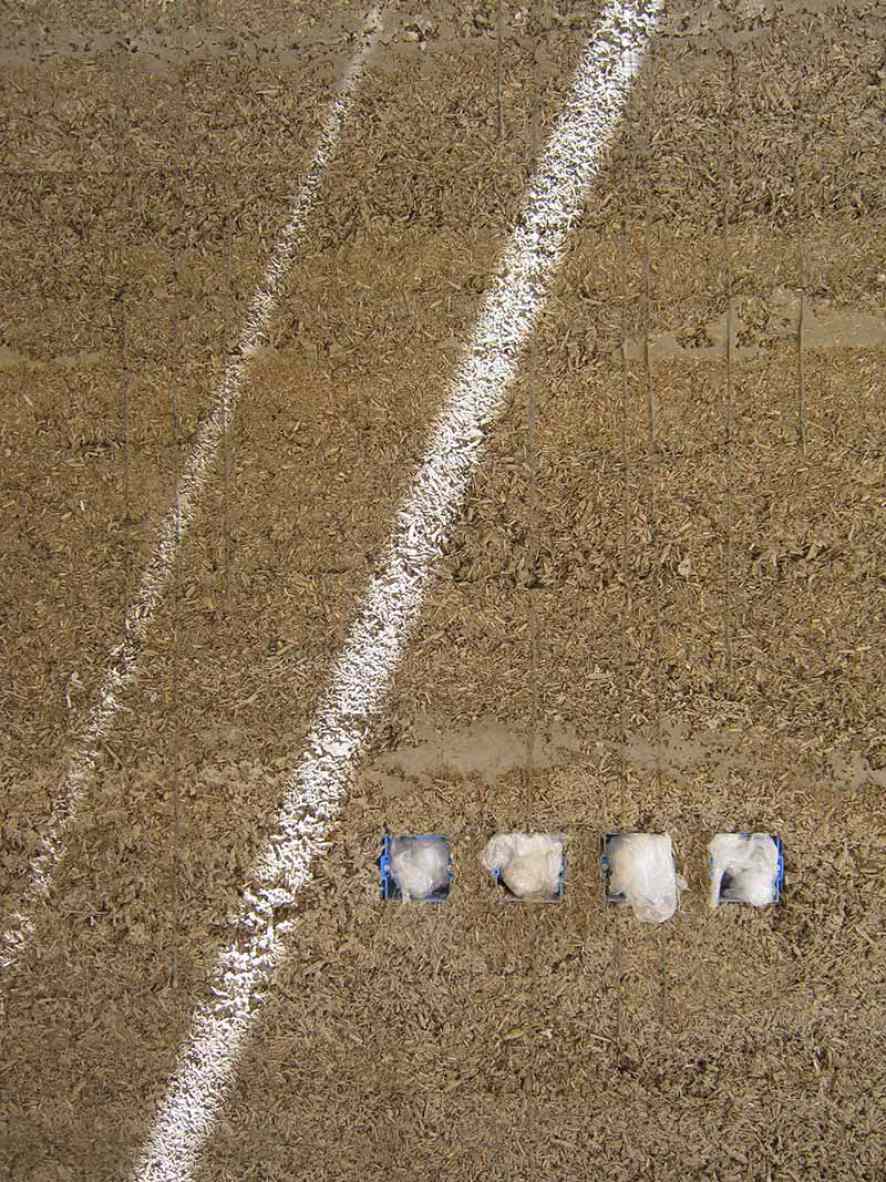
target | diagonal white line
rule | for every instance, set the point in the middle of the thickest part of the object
(124, 657)
(363, 672)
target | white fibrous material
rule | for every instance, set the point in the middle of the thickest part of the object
(745, 866)
(530, 864)
(419, 867)
(641, 868)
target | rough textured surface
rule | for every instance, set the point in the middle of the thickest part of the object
(663, 608)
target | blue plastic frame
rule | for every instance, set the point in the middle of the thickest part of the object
(779, 871)
(604, 861)
(389, 889)
(507, 897)
(604, 869)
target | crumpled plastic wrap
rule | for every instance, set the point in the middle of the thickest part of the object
(641, 868)
(744, 866)
(530, 864)
(419, 866)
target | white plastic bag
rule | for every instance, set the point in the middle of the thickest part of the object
(749, 864)
(641, 868)
(530, 864)
(419, 866)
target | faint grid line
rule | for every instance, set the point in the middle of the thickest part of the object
(531, 524)
(653, 511)
(537, 116)
(498, 69)
(175, 698)
(652, 464)
(120, 300)
(618, 959)
(224, 445)
(532, 588)
(140, 614)
(625, 519)
(227, 547)
(362, 675)
(618, 954)
(801, 322)
(728, 171)
(664, 1004)
(128, 523)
